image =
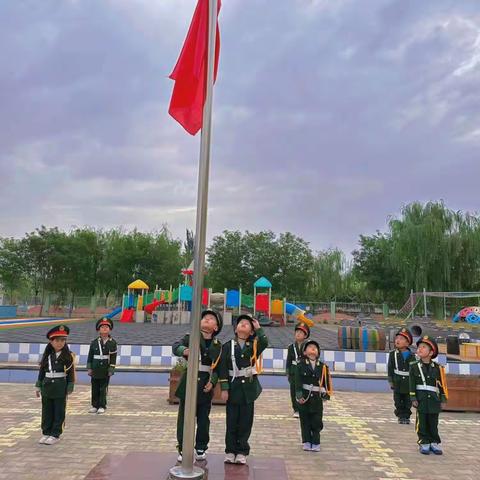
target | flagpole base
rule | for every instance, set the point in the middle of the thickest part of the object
(177, 473)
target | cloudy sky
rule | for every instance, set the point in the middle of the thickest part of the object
(329, 115)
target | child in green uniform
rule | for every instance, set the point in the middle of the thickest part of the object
(240, 366)
(294, 354)
(313, 384)
(101, 361)
(428, 390)
(210, 352)
(55, 382)
(398, 367)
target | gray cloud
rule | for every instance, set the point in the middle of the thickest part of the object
(328, 116)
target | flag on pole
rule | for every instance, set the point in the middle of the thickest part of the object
(190, 72)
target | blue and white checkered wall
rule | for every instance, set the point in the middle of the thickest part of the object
(274, 359)
(128, 355)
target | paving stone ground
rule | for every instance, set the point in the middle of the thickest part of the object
(361, 439)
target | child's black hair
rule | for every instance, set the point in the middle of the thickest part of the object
(65, 354)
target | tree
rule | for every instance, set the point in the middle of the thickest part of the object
(12, 266)
(154, 257)
(226, 262)
(373, 264)
(328, 269)
(261, 257)
(188, 247)
(294, 265)
(42, 260)
(238, 260)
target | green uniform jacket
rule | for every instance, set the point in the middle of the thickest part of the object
(293, 356)
(52, 383)
(428, 401)
(306, 375)
(208, 357)
(399, 382)
(241, 389)
(102, 358)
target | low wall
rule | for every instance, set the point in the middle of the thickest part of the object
(8, 311)
(274, 359)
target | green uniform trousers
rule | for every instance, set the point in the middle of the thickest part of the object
(239, 427)
(53, 415)
(311, 424)
(403, 404)
(99, 392)
(293, 397)
(426, 427)
(202, 436)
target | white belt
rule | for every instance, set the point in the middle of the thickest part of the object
(55, 374)
(428, 387)
(204, 368)
(244, 372)
(310, 388)
(402, 373)
(101, 357)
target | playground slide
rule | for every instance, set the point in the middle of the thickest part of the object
(152, 306)
(127, 316)
(292, 309)
(113, 313)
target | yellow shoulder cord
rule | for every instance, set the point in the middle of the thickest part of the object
(258, 361)
(326, 380)
(443, 381)
(72, 365)
(215, 363)
(329, 378)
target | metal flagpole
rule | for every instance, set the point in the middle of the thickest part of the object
(187, 469)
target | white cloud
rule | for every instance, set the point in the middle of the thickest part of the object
(327, 117)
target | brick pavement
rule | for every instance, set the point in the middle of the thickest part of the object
(361, 439)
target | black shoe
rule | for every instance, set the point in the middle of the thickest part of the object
(406, 421)
(400, 420)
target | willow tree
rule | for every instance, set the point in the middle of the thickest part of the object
(436, 248)
(327, 275)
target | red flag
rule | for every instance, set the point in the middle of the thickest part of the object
(190, 72)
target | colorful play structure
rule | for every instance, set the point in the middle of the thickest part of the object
(139, 301)
(467, 314)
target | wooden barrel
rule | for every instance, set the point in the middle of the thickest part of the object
(356, 338)
(368, 339)
(382, 339)
(344, 338)
(366, 336)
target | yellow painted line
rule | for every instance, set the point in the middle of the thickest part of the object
(367, 443)
(20, 432)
